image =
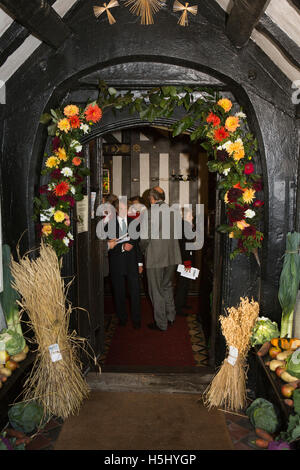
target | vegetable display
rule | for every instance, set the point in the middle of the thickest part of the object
(264, 330)
(289, 283)
(12, 336)
(293, 363)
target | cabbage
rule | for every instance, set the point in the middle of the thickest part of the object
(264, 330)
(26, 416)
(293, 364)
(262, 414)
(14, 341)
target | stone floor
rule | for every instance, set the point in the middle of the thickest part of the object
(239, 427)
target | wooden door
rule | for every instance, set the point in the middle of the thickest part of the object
(89, 260)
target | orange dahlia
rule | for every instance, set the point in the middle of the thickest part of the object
(213, 119)
(61, 189)
(64, 125)
(76, 161)
(71, 110)
(226, 104)
(232, 123)
(221, 134)
(47, 229)
(75, 122)
(93, 113)
(61, 154)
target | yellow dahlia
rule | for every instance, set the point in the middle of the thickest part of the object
(242, 224)
(47, 229)
(232, 123)
(236, 149)
(226, 104)
(231, 235)
(61, 154)
(248, 195)
(52, 162)
(226, 198)
(64, 125)
(71, 110)
(59, 216)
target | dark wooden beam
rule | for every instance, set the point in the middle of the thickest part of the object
(286, 45)
(38, 17)
(243, 18)
(296, 3)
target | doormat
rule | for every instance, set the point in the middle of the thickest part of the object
(144, 421)
(182, 345)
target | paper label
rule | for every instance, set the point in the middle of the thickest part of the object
(55, 353)
(233, 355)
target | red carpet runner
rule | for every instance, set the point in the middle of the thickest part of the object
(145, 347)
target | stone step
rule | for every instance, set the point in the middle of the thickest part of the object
(155, 383)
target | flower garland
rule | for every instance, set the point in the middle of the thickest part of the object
(233, 152)
(230, 147)
(66, 171)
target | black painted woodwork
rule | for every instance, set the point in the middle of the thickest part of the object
(296, 3)
(138, 57)
(287, 46)
(243, 18)
(39, 18)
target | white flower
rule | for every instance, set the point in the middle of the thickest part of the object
(76, 145)
(46, 214)
(72, 189)
(70, 236)
(85, 128)
(51, 186)
(249, 213)
(226, 171)
(66, 241)
(241, 115)
(67, 171)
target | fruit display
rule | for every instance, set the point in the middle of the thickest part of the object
(8, 364)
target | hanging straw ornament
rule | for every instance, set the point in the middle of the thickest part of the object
(145, 9)
(99, 10)
(183, 20)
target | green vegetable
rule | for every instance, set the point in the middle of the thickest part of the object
(293, 364)
(12, 336)
(293, 430)
(289, 283)
(262, 414)
(296, 398)
(264, 330)
(26, 416)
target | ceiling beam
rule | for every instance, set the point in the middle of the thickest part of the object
(39, 18)
(287, 46)
(296, 3)
(243, 18)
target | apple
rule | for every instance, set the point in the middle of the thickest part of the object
(274, 351)
(279, 370)
(287, 390)
(11, 365)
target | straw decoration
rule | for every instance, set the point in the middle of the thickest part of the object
(145, 9)
(106, 7)
(228, 388)
(183, 20)
(55, 381)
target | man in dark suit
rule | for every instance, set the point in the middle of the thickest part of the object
(162, 255)
(125, 262)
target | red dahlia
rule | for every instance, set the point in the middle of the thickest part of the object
(249, 168)
(221, 134)
(213, 119)
(236, 214)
